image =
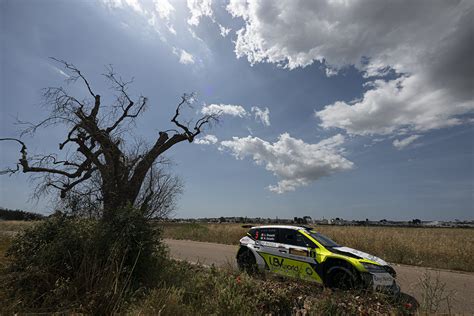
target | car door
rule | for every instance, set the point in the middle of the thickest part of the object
(299, 260)
(267, 245)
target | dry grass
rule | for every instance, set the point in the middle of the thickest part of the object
(13, 227)
(4, 244)
(7, 230)
(448, 248)
(445, 248)
(228, 234)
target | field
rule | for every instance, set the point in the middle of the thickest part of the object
(444, 248)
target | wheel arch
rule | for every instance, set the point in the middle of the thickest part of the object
(258, 258)
(332, 263)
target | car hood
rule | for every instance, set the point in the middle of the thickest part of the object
(361, 254)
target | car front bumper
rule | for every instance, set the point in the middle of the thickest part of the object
(382, 282)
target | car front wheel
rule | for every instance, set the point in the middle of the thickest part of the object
(341, 278)
(246, 261)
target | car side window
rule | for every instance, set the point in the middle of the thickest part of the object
(294, 238)
(268, 234)
(253, 233)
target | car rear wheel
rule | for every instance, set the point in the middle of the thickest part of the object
(246, 261)
(342, 278)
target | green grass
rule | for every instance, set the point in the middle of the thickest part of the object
(444, 248)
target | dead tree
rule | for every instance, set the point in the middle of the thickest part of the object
(98, 162)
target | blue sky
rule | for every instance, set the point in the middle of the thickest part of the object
(330, 109)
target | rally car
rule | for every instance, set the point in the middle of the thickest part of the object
(302, 252)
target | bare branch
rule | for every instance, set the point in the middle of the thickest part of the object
(185, 99)
(76, 74)
(24, 163)
(126, 114)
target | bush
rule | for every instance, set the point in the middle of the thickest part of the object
(82, 265)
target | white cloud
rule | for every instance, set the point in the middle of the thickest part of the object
(171, 29)
(185, 58)
(113, 3)
(400, 144)
(206, 140)
(164, 9)
(427, 43)
(135, 5)
(391, 106)
(223, 30)
(198, 9)
(224, 109)
(59, 71)
(292, 160)
(262, 115)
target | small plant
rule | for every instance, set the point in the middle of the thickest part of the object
(434, 293)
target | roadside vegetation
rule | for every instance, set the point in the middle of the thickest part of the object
(444, 248)
(67, 265)
(194, 290)
(72, 264)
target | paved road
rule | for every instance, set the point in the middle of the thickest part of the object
(461, 284)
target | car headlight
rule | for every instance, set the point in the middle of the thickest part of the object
(373, 267)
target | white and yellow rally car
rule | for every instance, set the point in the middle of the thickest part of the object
(301, 252)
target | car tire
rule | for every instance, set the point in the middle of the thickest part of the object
(246, 261)
(340, 277)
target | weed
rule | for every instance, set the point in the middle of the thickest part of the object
(434, 293)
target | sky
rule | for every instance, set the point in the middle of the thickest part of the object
(329, 108)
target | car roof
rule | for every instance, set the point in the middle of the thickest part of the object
(283, 226)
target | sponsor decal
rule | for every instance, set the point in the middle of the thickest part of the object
(291, 267)
(280, 263)
(382, 279)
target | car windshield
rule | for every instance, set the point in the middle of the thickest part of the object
(323, 240)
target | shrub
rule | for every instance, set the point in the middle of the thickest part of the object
(74, 264)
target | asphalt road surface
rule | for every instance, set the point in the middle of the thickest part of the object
(460, 284)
